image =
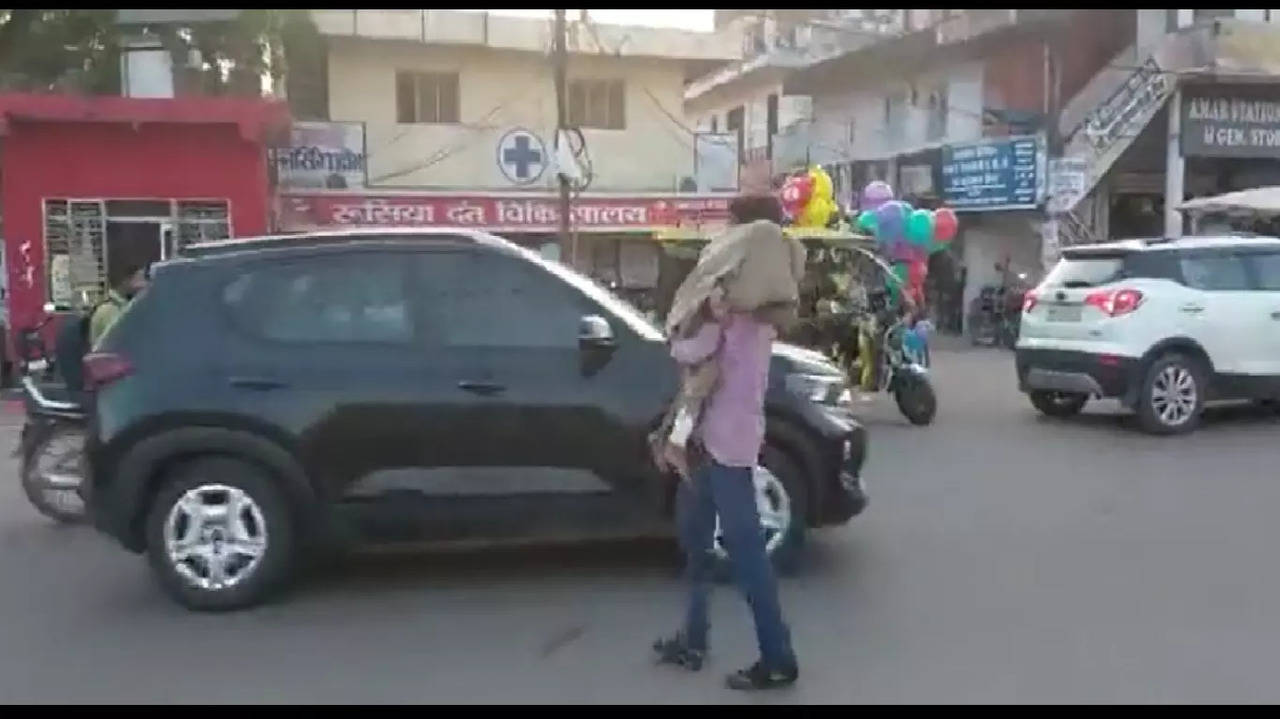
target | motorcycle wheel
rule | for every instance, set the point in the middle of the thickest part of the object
(52, 490)
(916, 400)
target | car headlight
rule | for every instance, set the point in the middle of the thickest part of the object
(823, 389)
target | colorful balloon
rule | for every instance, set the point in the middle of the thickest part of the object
(919, 228)
(876, 194)
(891, 218)
(821, 205)
(901, 276)
(899, 250)
(867, 222)
(945, 224)
(916, 272)
(796, 192)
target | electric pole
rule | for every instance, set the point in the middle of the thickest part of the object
(559, 65)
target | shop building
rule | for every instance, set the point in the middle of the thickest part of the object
(745, 99)
(95, 185)
(1191, 107)
(959, 110)
(445, 117)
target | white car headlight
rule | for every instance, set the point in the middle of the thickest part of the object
(823, 389)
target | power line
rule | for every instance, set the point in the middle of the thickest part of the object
(442, 155)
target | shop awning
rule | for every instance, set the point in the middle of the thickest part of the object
(1259, 200)
(262, 121)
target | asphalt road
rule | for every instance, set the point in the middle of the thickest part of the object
(1004, 558)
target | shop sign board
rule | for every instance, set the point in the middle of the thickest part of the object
(997, 174)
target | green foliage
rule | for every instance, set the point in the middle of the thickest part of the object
(49, 50)
(79, 50)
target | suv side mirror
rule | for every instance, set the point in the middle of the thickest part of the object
(594, 331)
(595, 343)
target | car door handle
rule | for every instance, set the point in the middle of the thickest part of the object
(1192, 309)
(258, 383)
(1275, 315)
(481, 387)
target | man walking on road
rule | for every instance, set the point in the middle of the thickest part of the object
(729, 435)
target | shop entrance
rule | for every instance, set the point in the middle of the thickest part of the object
(93, 243)
(135, 243)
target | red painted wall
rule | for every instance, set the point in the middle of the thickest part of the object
(1095, 37)
(44, 159)
(1014, 76)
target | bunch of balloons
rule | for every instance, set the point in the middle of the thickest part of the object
(905, 235)
(809, 198)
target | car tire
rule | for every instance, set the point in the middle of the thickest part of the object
(264, 520)
(1172, 395)
(1058, 404)
(785, 552)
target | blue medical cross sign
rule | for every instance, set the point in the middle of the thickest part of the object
(521, 156)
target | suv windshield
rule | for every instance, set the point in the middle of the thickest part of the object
(1085, 271)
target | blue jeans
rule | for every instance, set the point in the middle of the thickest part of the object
(730, 492)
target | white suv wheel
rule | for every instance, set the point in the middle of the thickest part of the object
(1174, 395)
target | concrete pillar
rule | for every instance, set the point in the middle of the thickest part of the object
(1175, 169)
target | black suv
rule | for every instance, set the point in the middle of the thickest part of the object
(269, 399)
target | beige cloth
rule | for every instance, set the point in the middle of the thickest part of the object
(760, 269)
(756, 263)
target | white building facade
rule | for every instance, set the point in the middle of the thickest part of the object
(442, 117)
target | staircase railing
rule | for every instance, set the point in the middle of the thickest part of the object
(1074, 231)
(1116, 116)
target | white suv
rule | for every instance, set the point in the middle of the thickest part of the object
(1163, 325)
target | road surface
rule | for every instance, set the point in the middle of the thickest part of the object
(1004, 558)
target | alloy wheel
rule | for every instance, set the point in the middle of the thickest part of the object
(1174, 395)
(215, 536)
(774, 506)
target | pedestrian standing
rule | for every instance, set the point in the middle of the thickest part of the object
(723, 454)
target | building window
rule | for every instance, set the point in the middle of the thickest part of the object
(91, 243)
(770, 124)
(734, 123)
(1207, 15)
(598, 103)
(426, 97)
(895, 107)
(715, 123)
(937, 114)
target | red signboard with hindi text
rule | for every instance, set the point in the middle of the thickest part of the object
(498, 213)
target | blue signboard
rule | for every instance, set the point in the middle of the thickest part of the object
(998, 174)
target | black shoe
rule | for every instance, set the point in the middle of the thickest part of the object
(758, 677)
(676, 650)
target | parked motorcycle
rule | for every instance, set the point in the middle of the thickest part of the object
(995, 315)
(987, 317)
(52, 440)
(1011, 320)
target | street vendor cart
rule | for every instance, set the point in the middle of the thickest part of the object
(848, 310)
